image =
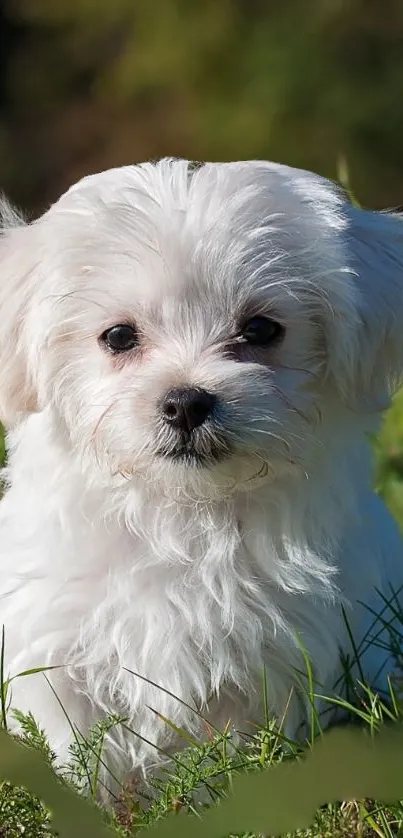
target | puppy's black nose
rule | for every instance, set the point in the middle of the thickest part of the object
(187, 408)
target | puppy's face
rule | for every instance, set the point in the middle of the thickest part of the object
(189, 327)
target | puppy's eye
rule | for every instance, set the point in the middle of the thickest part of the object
(120, 338)
(261, 331)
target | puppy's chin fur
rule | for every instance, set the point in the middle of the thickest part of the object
(156, 587)
(189, 481)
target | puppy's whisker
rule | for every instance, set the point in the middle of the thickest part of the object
(272, 435)
(310, 373)
(77, 295)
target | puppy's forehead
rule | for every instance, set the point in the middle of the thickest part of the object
(177, 232)
(216, 187)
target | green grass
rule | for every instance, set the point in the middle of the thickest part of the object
(210, 766)
(389, 449)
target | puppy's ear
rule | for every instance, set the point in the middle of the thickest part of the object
(366, 336)
(17, 263)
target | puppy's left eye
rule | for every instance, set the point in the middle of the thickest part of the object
(261, 331)
(120, 338)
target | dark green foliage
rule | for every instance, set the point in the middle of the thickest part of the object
(21, 815)
(87, 84)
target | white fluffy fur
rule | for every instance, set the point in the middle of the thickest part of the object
(114, 558)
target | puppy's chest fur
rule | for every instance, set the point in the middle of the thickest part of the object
(197, 598)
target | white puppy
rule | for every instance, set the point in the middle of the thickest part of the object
(191, 359)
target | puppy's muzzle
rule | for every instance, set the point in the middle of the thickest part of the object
(192, 432)
(187, 408)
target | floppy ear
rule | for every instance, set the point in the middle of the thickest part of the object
(367, 353)
(17, 263)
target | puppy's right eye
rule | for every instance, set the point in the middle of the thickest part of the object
(120, 338)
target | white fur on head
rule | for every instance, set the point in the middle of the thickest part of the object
(354, 258)
(132, 242)
(370, 360)
(18, 266)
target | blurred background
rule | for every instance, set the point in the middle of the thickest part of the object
(88, 84)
